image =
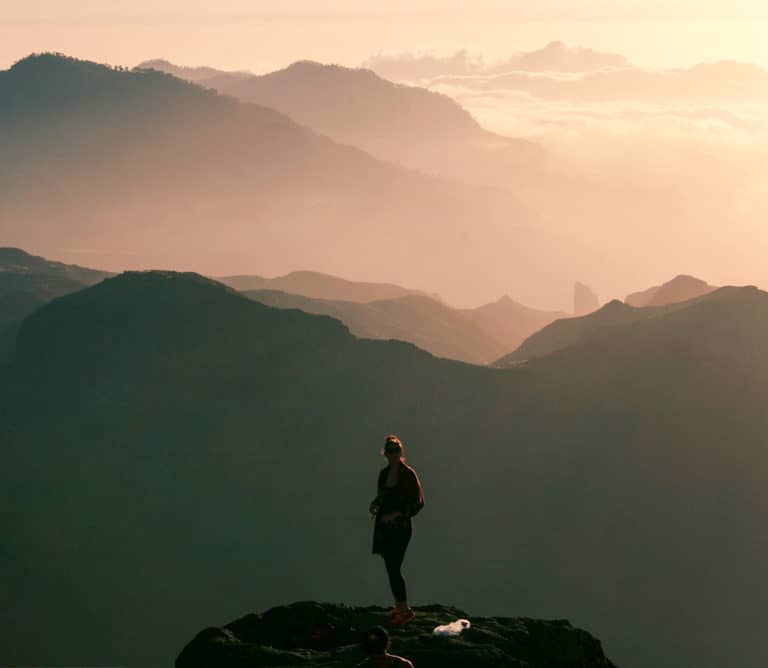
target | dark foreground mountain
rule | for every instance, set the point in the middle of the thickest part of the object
(679, 289)
(321, 286)
(425, 322)
(142, 169)
(326, 635)
(173, 454)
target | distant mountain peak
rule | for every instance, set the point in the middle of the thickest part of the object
(318, 69)
(681, 288)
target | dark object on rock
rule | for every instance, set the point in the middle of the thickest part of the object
(288, 636)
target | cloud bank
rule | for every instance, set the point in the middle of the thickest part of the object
(555, 56)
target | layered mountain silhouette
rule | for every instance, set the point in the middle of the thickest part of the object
(679, 289)
(186, 177)
(322, 286)
(404, 124)
(478, 336)
(431, 132)
(574, 331)
(175, 453)
(427, 323)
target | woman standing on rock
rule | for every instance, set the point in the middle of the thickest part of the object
(399, 497)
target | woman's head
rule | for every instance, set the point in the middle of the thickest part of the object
(393, 449)
(376, 641)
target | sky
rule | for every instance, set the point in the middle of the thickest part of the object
(260, 36)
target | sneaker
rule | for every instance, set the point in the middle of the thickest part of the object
(399, 617)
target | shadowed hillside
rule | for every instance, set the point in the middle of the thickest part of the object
(142, 169)
(173, 453)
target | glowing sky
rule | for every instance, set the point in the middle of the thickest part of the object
(259, 35)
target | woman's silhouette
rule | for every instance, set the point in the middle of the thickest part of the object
(398, 498)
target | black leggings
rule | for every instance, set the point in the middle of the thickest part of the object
(395, 544)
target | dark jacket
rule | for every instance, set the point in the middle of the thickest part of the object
(405, 497)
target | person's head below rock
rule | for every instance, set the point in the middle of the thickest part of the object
(377, 641)
(376, 645)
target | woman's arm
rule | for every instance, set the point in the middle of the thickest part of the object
(376, 503)
(415, 495)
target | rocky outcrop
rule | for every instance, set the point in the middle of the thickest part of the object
(584, 299)
(325, 635)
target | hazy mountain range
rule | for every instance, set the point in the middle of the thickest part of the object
(231, 450)
(186, 177)
(478, 336)
(430, 132)
(322, 286)
(369, 310)
(408, 125)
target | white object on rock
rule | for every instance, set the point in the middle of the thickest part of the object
(452, 629)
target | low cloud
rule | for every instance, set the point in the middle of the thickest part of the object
(708, 82)
(554, 57)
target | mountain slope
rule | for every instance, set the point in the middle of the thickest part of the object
(173, 452)
(569, 332)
